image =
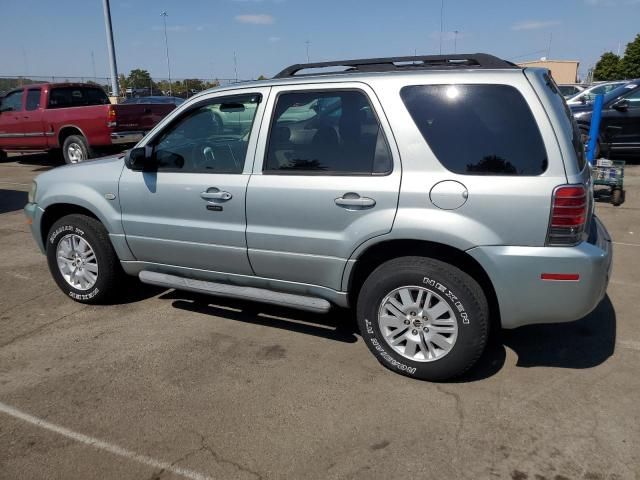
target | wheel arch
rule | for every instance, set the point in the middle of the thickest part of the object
(56, 211)
(383, 251)
(68, 130)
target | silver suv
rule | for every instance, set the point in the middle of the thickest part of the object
(434, 195)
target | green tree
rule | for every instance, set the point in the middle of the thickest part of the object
(630, 65)
(262, 77)
(139, 78)
(608, 67)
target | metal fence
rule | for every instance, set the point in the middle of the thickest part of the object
(180, 87)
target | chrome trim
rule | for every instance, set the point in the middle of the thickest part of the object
(12, 135)
(126, 137)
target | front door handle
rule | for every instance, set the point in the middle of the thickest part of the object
(215, 194)
(354, 200)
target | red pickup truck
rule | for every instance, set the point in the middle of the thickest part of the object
(77, 118)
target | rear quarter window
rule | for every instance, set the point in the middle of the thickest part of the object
(478, 129)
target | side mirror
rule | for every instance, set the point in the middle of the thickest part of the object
(139, 159)
(621, 105)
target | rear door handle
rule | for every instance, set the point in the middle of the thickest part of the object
(354, 200)
(215, 194)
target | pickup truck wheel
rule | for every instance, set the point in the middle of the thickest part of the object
(75, 149)
(3, 156)
(423, 318)
(82, 260)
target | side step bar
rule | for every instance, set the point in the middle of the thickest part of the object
(310, 304)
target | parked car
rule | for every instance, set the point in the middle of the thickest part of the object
(569, 90)
(620, 124)
(436, 196)
(587, 95)
(77, 118)
(154, 99)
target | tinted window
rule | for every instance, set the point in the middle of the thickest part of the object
(334, 132)
(62, 97)
(12, 102)
(634, 98)
(33, 99)
(212, 138)
(478, 129)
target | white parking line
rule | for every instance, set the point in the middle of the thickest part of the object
(627, 244)
(108, 447)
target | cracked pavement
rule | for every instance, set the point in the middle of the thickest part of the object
(234, 390)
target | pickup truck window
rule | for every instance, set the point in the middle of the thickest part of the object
(33, 99)
(65, 97)
(12, 102)
(211, 138)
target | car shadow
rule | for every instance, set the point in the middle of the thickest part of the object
(12, 200)
(582, 344)
(585, 343)
(44, 160)
(338, 325)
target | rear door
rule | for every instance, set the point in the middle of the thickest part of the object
(189, 211)
(326, 179)
(34, 135)
(11, 127)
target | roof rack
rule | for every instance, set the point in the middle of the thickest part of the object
(471, 60)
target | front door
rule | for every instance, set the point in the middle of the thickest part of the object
(11, 128)
(622, 126)
(329, 180)
(189, 210)
(34, 135)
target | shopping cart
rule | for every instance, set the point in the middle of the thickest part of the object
(610, 173)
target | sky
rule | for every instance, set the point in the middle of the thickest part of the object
(46, 37)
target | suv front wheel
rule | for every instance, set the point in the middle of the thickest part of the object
(423, 318)
(82, 260)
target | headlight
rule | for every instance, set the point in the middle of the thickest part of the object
(32, 192)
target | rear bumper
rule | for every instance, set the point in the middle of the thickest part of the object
(525, 298)
(118, 138)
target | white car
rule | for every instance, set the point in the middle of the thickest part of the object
(588, 95)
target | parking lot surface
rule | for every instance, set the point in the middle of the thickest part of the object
(168, 384)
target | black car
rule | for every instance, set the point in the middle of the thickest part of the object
(155, 99)
(620, 125)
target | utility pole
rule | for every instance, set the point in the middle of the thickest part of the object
(93, 64)
(235, 65)
(164, 16)
(549, 47)
(307, 43)
(455, 41)
(112, 49)
(441, 23)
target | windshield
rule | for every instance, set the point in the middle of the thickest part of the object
(616, 92)
(590, 93)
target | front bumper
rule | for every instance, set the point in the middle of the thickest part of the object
(34, 215)
(525, 298)
(118, 138)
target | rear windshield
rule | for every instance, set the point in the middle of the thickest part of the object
(478, 129)
(63, 97)
(571, 126)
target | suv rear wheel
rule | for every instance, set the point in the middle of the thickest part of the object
(423, 318)
(82, 260)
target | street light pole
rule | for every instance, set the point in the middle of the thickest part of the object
(455, 41)
(441, 23)
(112, 49)
(307, 43)
(164, 15)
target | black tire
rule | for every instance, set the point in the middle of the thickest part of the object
(468, 307)
(617, 197)
(109, 271)
(79, 145)
(3, 156)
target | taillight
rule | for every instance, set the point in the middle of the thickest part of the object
(111, 117)
(569, 215)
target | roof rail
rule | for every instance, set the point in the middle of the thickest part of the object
(387, 64)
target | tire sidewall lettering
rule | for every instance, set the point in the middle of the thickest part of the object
(453, 298)
(64, 229)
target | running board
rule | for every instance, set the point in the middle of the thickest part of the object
(300, 302)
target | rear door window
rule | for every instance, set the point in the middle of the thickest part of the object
(478, 129)
(64, 97)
